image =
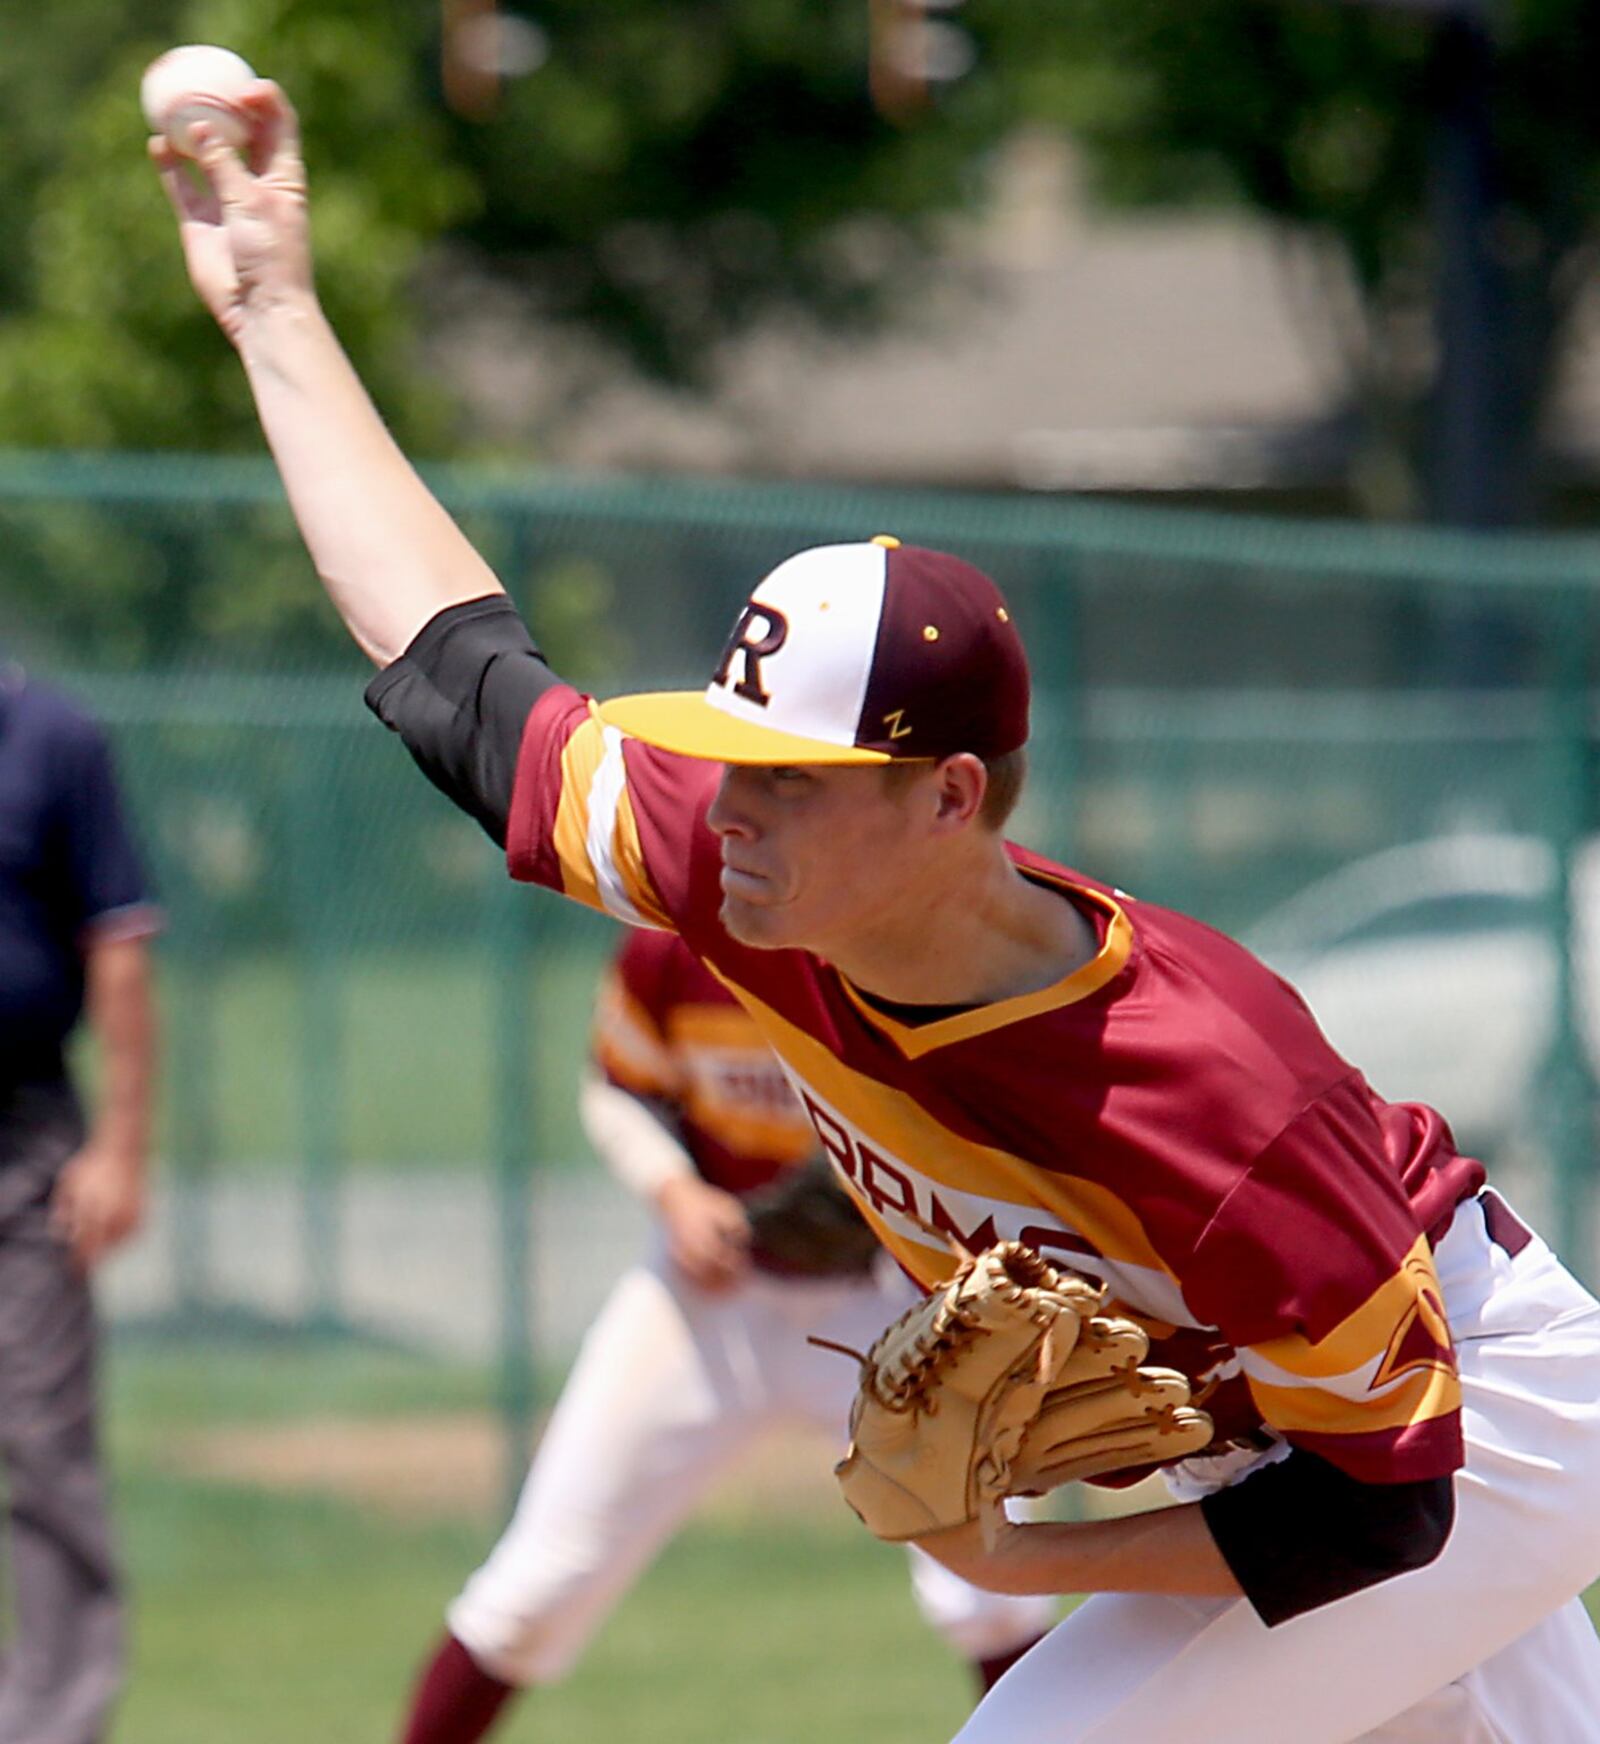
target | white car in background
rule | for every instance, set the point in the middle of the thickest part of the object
(1434, 968)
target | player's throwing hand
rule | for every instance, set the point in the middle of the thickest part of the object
(244, 233)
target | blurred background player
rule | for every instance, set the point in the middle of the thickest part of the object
(75, 922)
(700, 1349)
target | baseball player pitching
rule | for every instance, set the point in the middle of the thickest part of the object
(1388, 1537)
(699, 1350)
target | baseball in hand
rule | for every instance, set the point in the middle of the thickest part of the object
(193, 84)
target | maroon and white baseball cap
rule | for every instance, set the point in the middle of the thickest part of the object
(869, 653)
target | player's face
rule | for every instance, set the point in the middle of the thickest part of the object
(813, 856)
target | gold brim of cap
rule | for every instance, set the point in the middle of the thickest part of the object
(684, 722)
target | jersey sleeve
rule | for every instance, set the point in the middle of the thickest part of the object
(630, 1044)
(608, 821)
(1315, 1270)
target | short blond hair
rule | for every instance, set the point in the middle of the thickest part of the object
(1006, 776)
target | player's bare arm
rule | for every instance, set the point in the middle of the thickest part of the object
(389, 555)
(1346, 1535)
(1168, 1551)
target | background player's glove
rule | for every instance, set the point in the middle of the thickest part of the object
(804, 1222)
(1005, 1381)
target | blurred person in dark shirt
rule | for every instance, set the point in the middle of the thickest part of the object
(75, 926)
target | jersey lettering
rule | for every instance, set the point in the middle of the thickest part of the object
(911, 1204)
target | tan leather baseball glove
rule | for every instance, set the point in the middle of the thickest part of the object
(1005, 1381)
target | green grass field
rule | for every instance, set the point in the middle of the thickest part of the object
(260, 1619)
(261, 1615)
(263, 1612)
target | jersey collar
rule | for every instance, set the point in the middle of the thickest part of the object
(915, 1040)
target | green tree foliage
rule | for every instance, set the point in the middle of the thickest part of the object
(674, 171)
(669, 172)
(102, 343)
(1321, 113)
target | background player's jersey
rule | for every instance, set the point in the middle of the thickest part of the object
(1168, 1117)
(667, 1029)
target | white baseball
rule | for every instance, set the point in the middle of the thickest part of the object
(197, 83)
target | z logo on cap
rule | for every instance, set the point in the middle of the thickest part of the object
(755, 649)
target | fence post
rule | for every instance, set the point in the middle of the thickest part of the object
(1567, 1090)
(193, 1079)
(315, 889)
(516, 924)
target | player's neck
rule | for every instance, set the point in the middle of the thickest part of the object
(970, 940)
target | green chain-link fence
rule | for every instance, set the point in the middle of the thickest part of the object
(1369, 751)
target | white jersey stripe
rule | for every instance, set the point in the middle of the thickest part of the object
(1356, 1383)
(605, 796)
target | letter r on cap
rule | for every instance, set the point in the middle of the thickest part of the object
(754, 649)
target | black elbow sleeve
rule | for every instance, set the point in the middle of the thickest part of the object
(1302, 1533)
(459, 697)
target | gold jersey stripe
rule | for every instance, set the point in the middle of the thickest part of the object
(911, 1137)
(626, 1075)
(1423, 1395)
(717, 1026)
(633, 1068)
(628, 1043)
(581, 758)
(750, 1135)
(1360, 1341)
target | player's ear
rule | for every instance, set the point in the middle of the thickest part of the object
(960, 784)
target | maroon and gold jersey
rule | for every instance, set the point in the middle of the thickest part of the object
(665, 1027)
(1168, 1117)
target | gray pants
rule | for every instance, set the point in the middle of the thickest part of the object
(62, 1666)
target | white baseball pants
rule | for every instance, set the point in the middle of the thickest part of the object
(1487, 1645)
(670, 1386)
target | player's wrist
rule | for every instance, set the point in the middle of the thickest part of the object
(273, 330)
(990, 1553)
